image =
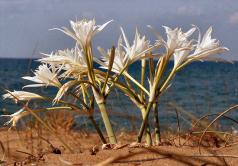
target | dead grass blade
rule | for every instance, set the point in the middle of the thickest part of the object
(221, 114)
(65, 162)
(178, 126)
(49, 128)
(3, 151)
(201, 158)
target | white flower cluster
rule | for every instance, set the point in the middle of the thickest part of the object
(71, 63)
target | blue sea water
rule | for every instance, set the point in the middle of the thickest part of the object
(199, 89)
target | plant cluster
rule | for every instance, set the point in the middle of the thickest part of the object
(73, 73)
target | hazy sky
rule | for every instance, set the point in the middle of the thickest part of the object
(24, 24)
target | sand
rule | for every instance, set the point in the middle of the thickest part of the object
(37, 147)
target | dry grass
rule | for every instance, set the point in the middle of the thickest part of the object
(30, 148)
(33, 144)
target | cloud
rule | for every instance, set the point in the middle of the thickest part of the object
(189, 10)
(45, 14)
(233, 18)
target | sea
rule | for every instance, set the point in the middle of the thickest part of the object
(199, 89)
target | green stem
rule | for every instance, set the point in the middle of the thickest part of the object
(99, 96)
(144, 123)
(184, 64)
(107, 123)
(98, 129)
(128, 83)
(157, 124)
(166, 83)
(143, 65)
(100, 100)
(159, 72)
(147, 132)
(111, 61)
(90, 116)
(136, 82)
(92, 120)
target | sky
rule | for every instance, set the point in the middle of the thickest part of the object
(25, 24)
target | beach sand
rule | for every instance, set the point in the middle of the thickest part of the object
(42, 149)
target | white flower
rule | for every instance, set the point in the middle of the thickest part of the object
(63, 89)
(84, 30)
(44, 76)
(207, 46)
(21, 95)
(126, 55)
(180, 55)
(15, 117)
(138, 49)
(70, 60)
(119, 58)
(207, 42)
(176, 38)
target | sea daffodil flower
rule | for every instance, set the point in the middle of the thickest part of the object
(84, 30)
(181, 55)
(73, 56)
(176, 38)
(70, 60)
(126, 54)
(44, 76)
(207, 46)
(15, 117)
(138, 49)
(21, 96)
(119, 59)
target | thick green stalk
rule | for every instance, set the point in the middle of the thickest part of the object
(107, 123)
(144, 123)
(99, 97)
(158, 75)
(147, 132)
(101, 104)
(157, 124)
(90, 116)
